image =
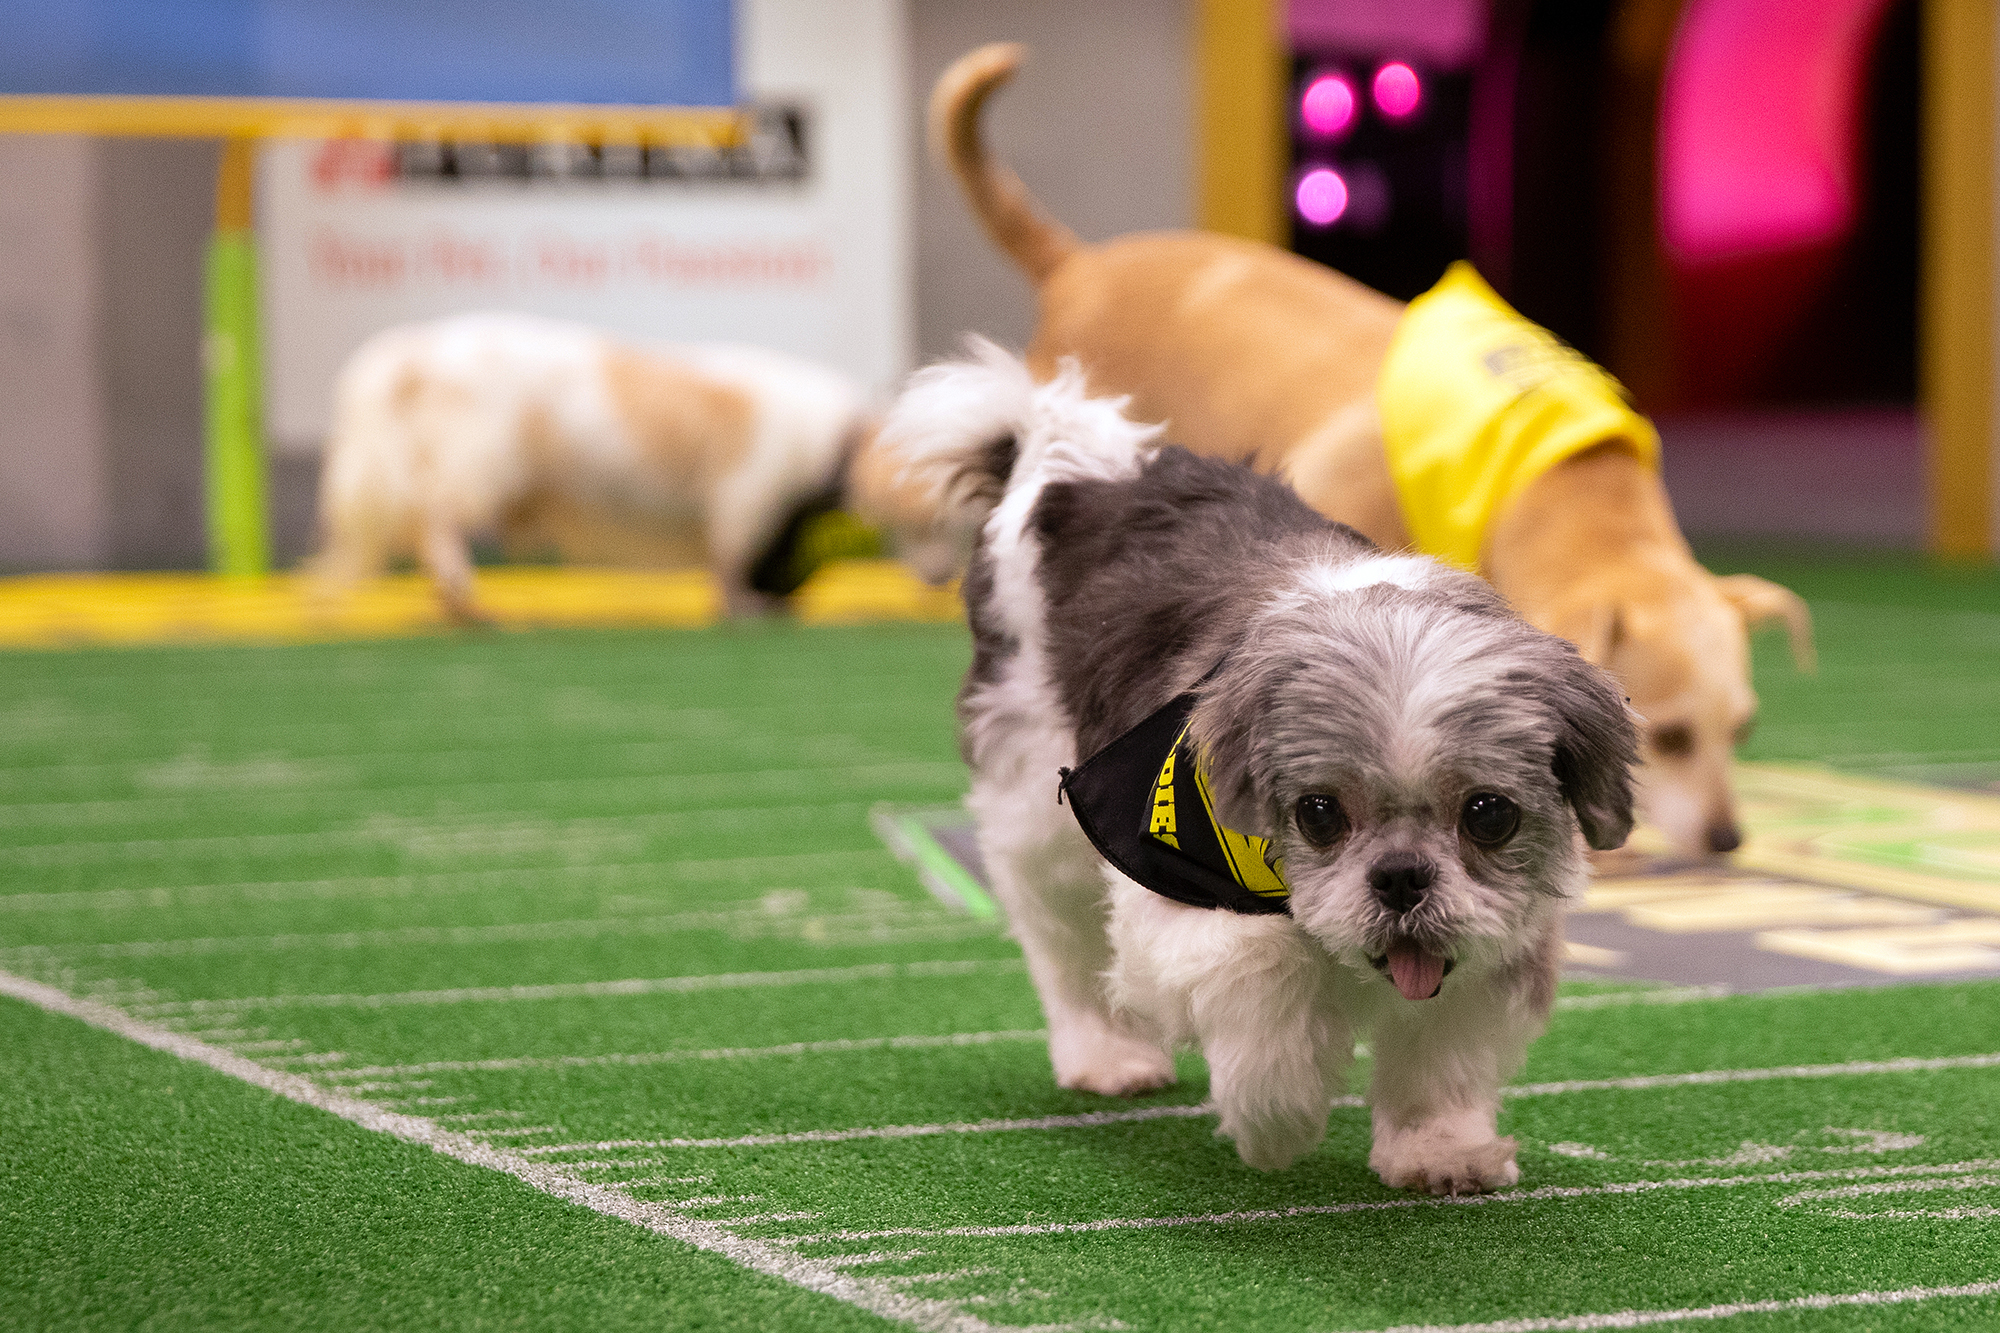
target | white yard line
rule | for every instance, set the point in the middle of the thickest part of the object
(1650, 995)
(1645, 1082)
(777, 1261)
(1087, 1120)
(835, 1046)
(1584, 1323)
(318, 797)
(1961, 1183)
(1546, 1192)
(749, 921)
(440, 883)
(390, 1085)
(572, 990)
(671, 822)
(1092, 1120)
(874, 1257)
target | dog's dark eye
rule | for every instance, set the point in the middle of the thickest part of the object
(1674, 740)
(1489, 818)
(1320, 819)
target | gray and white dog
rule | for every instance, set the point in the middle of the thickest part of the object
(1329, 792)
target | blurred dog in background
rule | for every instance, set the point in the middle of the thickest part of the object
(552, 435)
(1254, 354)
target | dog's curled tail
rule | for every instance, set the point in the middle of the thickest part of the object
(969, 431)
(1011, 216)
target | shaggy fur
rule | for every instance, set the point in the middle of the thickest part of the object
(1112, 575)
(552, 434)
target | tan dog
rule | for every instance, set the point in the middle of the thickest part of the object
(1249, 352)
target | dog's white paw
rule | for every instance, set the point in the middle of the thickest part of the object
(1110, 1063)
(1431, 1158)
(1273, 1141)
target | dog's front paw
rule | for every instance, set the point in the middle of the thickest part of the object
(1272, 1141)
(1110, 1063)
(1439, 1162)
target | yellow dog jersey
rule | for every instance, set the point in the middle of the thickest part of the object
(1477, 402)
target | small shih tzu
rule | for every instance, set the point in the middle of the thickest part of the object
(1247, 783)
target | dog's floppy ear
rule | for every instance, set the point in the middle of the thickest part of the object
(1227, 733)
(1760, 601)
(1595, 628)
(1596, 745)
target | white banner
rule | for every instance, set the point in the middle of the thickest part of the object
(352, 243)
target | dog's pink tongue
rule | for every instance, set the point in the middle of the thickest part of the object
(1417, 974)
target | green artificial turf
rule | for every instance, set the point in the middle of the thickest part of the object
(1909, 665)
(335, 860)
(142, 1192)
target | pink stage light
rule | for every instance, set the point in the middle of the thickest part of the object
(1321, 196)
(1760, 125)
(1328, 105)
(1398, 90)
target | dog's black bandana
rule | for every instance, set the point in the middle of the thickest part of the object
(1143, 802)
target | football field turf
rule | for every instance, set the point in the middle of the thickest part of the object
(562, 979)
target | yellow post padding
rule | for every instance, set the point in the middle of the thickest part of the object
(1240, 77)
(1956, 366)
(1477, 402)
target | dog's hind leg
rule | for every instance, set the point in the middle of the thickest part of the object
(1049, 880)
(448, 560)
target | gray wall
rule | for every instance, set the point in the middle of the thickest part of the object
(101, 247)
(1100, 124)
(156, 204)
(53, 510)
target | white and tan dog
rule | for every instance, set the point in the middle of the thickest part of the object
(1323, 792)
(553, 434)
(1254, 354)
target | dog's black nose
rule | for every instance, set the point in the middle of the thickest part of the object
(1400, 880)
(1724, 838)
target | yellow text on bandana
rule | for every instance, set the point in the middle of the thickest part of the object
(1244, 857)
(1477, 402)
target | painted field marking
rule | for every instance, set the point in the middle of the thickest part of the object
(836, 1045)
(839, 1045)
(1096, 1119)
(429, 835)
(1970, 1182)
(1086, 1120)
(908, 834)
(1963, 945)
(266, 798)
(870, 1294)
(439, 882)
(1252, 1215)
(910, 921)
(571, 990)
(1585, 1323)
(874, 1257)
(1645, 1082)
(1651, 995)
(1590, 955)
(392, 1085)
